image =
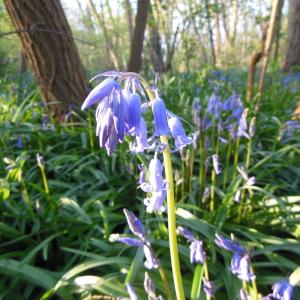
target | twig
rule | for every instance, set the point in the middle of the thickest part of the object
(33, 29)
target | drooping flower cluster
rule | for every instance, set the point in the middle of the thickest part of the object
(240, 262)
(137, 228)
(120, 113)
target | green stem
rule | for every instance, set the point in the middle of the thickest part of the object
(197, 282)
(171, 209)
(191, 170)
(248, 157)
(202, 173)
(26, 197)
(227, 164)
(213, 181)
(254, 286)
(182, 180)
(164, 279)
(46, 186)
(91, 136)
(172, 222)
(236, 156)
(206, 275)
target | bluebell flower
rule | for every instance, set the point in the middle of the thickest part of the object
(229, 244)
(215, 106)
(216, 164)
(131, 292)
(150, 289)
(240, 266)
(134, 223)
(240, 262)
(197, 254)
(237, 196)
(248, 180)
(196, 112)
(129, 241)
(20, 143)
(141, 168)
(160, 117)
(282, 290)
(134, 113)
(209, 287)
(40, 160)
(156, 201)
(151, 262)
(231, 102)
(137, 228)
(252, 127)
(119, 113)
(244, 295)
(157, 187)
(108, 137)
(251, 181)
(243, 127)
(99, 92)
(185, 233)
(178, 133)
(141, 142)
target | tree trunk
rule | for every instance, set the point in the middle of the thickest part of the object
(23, 64)
(292, 58)
(278, 30)
(211, 36)
(135, 60)
(50, 51)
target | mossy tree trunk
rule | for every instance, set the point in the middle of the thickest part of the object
(50, 51)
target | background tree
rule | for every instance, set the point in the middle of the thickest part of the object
(136, 49)
(50, 51)
(292, 58)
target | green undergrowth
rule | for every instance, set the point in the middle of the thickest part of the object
(55, 230)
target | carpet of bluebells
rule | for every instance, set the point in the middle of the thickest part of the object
(84, 209)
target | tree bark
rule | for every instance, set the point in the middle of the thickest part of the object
(292, 58)
(253, 61)
(210, 31)
(136, 49)
(50, 51)
(278, 30)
